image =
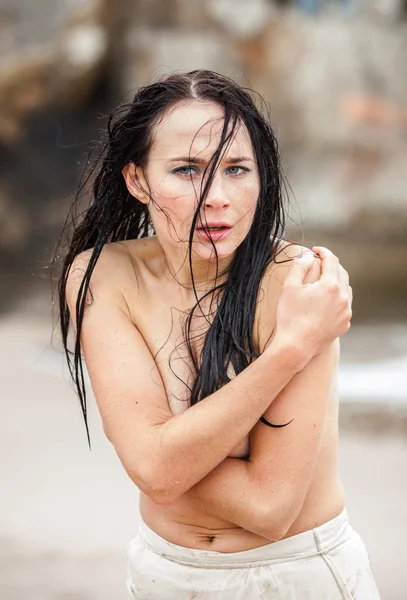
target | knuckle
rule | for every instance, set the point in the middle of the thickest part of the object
(343, 302)
(333, 287)
(345, 328)
(331, 255)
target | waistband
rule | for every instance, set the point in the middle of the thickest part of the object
(314, 541)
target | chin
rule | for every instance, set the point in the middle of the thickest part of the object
(209, 255)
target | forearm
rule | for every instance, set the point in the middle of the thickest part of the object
(227, 493)
(265, 494)
(231, 493)
(189, 446)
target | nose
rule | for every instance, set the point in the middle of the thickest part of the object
(217, 197)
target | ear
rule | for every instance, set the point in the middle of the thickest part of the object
(134, 179)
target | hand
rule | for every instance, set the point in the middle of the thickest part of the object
(312, 315)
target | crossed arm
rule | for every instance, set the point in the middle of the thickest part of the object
(163, 454)
(264, 495)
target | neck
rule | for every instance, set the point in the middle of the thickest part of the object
(206, 274)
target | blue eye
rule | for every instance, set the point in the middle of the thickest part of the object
(236, 167)
(186, 170)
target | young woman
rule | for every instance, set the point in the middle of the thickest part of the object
(212, 348)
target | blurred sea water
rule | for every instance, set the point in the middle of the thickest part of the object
(373, 365)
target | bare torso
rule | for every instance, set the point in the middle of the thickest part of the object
(159, 318)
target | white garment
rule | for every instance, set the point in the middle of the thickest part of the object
(329, 562)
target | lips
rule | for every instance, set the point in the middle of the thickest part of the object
(217, 224)
(215, 235)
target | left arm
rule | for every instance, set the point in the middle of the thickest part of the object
(265, 494)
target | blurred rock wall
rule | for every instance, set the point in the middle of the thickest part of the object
(336, 83)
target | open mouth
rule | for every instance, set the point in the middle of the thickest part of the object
(213, 233)
(222, 228)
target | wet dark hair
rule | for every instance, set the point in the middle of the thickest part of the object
(114, 214)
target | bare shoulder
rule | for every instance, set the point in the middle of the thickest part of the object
(114, 275)
(271, 286)
(278, 269)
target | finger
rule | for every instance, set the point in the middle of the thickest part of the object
(346, 289)
(343, 278)
(329, 263)
(299, 269)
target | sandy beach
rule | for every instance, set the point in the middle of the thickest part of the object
(67, 514)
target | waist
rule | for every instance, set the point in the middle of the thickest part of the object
(183, 525)
(321, 539)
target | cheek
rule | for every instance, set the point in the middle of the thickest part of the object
(173, 202)
(175, 192)
(248, 198)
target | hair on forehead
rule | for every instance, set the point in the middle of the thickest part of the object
(237, 129)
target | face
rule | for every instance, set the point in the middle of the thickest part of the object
(193, 129)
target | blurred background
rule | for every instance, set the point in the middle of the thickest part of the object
(334, 74)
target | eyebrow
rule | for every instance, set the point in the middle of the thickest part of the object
(201, 161)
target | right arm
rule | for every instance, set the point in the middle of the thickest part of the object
(166, 455)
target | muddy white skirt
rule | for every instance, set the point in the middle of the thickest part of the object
(329, 562)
